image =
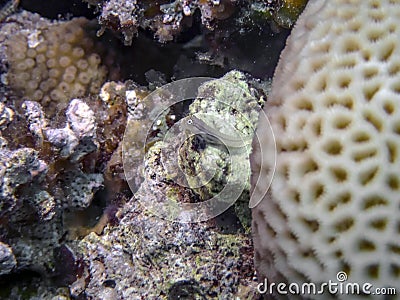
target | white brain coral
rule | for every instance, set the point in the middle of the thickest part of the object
(334, 203)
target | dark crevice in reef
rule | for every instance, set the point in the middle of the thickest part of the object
(180, 60)
(27, 279)
(53, 9)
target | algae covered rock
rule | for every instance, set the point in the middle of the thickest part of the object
(7, 259)
(205, 152)
(170, 259)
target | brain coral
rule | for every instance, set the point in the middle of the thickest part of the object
(54, 64)
(335, 111)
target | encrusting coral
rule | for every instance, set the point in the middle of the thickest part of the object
(334, 107)
(167, 19)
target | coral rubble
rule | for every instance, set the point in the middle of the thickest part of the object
(165, 18)
(167, 258)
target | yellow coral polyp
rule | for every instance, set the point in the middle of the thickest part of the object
(65, 48)
(82, 64)
(78, 52)
(64, 61)
(64, 65)
(40, 58)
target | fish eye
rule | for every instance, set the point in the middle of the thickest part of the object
(190, 122)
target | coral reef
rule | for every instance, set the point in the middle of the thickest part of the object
(53, 62)
(168, 19)
(333, 203)
(40, 182)
(18, 168)
(171, 260)
(174, 254)
(51, 140)
(165, 18)
(229, 105)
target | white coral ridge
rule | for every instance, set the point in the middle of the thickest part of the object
(81, 119)
(335, 110)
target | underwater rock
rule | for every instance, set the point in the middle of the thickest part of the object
(36, 119)
(228, 108)
(43, 202)
(18, 168)
(74, 141)
(152, 243)
(7, 259)
(38, 291)
(81, 119)
(196, 260)
(34, 245)
(79, 187)
(166, 19)
(78, 138)
(145, 251)
(38, 183)
(228, 105)
(6, 115)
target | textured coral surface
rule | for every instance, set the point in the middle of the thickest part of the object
(334, 108)
(54, 64)
(70, 226)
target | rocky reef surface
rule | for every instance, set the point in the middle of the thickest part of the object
(74, 97)
(168, 19)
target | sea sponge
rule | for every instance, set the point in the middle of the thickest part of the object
(55, 64)
(334, 107)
